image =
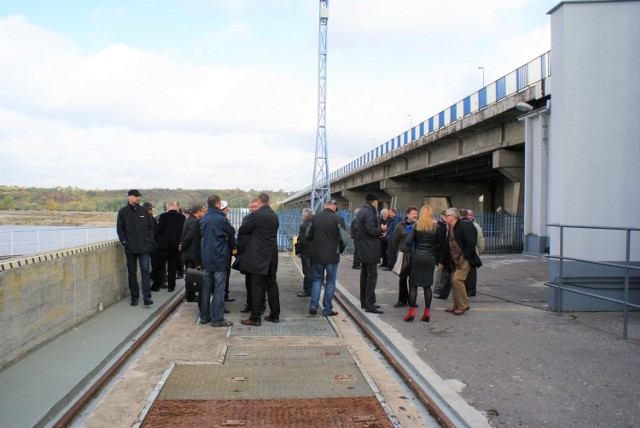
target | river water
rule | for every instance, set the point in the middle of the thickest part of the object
(31, 240)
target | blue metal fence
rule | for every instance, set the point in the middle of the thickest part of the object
(503, 233)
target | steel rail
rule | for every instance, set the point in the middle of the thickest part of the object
(82, 402)
(435, 411)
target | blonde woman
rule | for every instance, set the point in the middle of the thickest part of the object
(423, 242)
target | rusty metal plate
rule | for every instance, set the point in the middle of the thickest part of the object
(353, 412)
(255, 355)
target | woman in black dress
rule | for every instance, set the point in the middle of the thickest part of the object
(423, 244)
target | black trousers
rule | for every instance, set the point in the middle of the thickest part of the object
(261, 285)
(403, 288)
(306, 271)
(368, 280)
(470, 282)
(383, 251)
(167, 257)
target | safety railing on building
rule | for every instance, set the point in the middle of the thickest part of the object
(560, 282)
(521, 78)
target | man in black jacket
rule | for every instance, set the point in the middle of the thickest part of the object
(304, 250)
(260, 259)
(190, 240)
(327, 245)
(354, 235)
(368, 244)
(459, 249)
(135, 232)
(169, 233)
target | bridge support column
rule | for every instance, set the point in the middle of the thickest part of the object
(511, 165)
(536, 238)
(400, 193)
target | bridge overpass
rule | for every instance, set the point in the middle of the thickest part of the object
(470, 155)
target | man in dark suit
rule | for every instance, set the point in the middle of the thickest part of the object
(304, 251)
(327, 245)
(260, 259)
(368, 242)
(169, 233)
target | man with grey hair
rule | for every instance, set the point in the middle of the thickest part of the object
(458, 251)
(304, 251)
(168, 236)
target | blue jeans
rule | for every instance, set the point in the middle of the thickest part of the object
(318, 270)
(212, 285)
(132, 268)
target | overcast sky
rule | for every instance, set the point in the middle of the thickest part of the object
(223, 93)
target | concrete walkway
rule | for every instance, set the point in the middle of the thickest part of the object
(38, 386)
(516, 361)
(509, 357)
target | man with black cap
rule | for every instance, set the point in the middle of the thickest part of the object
(135, 232)
(368, 244)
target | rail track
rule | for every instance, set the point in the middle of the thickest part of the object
(433, 404)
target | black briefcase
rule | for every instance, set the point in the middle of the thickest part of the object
(193, 284)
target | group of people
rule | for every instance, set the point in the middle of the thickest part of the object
(443, 254)
(206, 240)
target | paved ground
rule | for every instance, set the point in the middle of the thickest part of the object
(517, 361)
(272, 362)
(509, 356)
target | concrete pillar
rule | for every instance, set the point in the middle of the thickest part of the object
(511, 165)
(594, 154)
(536, 238)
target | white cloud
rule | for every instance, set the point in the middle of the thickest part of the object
(123, 116)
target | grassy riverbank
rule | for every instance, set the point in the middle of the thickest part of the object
(58, 218)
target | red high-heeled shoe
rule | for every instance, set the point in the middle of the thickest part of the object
(410, 315)
(427, 315)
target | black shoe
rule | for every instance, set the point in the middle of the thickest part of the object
(223, 323)
(382, 265)
(155, 288)
(134, 301)
(330, 314)
(357, 266)
(148, 302)
(304, 294)
(387, 269)
(376, 306)
(229, 299)
(226, 311)
(171, 290)
(313, 311)
(203, 321)
(246, 309)
(179, 276)
(471, 294)
(272, 319)
(400, 305)
(374, 311)
(440, 297)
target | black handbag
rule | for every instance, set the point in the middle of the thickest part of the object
(193, 279)
(475, 261)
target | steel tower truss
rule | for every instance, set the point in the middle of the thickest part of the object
(320, 187)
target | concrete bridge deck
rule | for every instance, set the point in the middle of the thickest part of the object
(509, 357)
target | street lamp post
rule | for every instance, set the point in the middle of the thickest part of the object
(482, 68)
(410, 122)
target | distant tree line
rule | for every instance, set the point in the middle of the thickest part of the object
(76, 199)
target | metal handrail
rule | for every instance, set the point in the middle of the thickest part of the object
(560, 279)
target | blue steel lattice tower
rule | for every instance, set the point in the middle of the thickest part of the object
(320, 190)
